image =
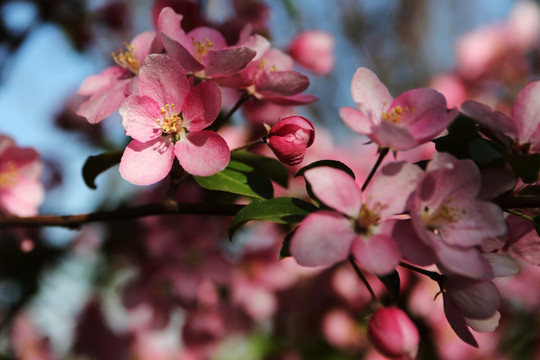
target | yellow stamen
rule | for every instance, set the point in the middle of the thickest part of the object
(170, 121)
(201, 48)
(127, 59)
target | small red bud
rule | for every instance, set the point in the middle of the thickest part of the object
(290, 137)
(393, 333)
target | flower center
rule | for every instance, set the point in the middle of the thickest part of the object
(395, 115)
(367, 218)
(200, 48)
(443, 215)
(126, 59)
(8, 175)
(170, 120)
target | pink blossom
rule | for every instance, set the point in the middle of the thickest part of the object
(272, 78)
(109, 89)
(290, 137)
(356, 222)
(167, 119)
(448, 218)
(314, 50)
(21, 191)
(393, 333)
(523, 124)
(203, 51)
(413, 118)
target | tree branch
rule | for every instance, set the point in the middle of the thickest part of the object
(75, 221)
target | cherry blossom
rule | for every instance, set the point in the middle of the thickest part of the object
(413, 118)
(110, 88)
(356, 222)
(314, 50)
(21, 191)
(167, 119)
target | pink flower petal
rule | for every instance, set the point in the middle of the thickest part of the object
(336, 189)
(369, 93)
(202, 153)
(204, 35)
(147, 163)
(391, 187)
(163, 79)
(424, 113)
(526, 111)
(179, 53)
(475, 299)
(502, 264)
(102, 104)
(462, 261)
(202, 106)
(457, 321)
(356, 120)
(281, 82)
(485, 325)
(494, 119)
(144, 45)
(227, 61)
(24, 198)
(379, 254)
(169, 24)
(139, 115)
(298, 99)
(322, 239)
(413, 249)
(388, 134)
(105, 80)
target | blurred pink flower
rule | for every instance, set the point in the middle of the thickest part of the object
(393, 333)
(21, 191)
(413, 118)
(290, 137)
(314, 50)
(109, 89)
(182, 115)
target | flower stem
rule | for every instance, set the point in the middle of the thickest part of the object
(383, 151)
(220, 121)
(260, 140)
(431, 274)
(363, 278)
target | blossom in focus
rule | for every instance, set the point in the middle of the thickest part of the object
(314, 50)
(393, 333)
(110, 88)
(290, 137)
(523, 124)
(356, 222)
(413, 118)
(21, 191)
(448, 218)
(167, 119)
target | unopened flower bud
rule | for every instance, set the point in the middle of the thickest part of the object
(290, 137)
(393, 333)
(314, 50)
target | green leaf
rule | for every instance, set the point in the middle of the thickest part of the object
(526, 166)
(392, 284)
(239, 178)
(461, 133)
(95, 165)
(284, 210)
(486, 153)
(286, 247)
(271, 168)
(331, 163)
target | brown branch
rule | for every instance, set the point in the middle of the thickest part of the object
(75, 221)
(518, 202)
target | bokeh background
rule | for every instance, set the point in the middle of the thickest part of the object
(73, 283)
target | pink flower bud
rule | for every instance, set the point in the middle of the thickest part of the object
(393, 333)
(290, 137)
(314, 50)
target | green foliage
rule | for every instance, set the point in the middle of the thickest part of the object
(271, 168)
(284, 210)
(95, 165)
(239, 178)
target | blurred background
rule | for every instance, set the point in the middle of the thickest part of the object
(103, 292)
